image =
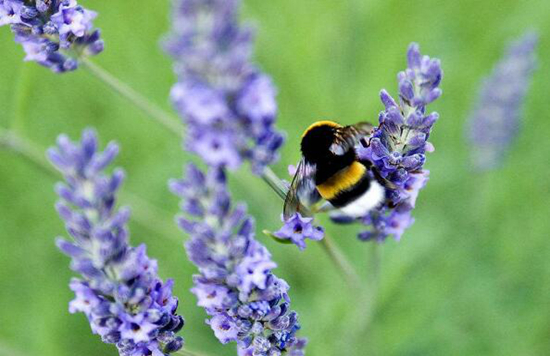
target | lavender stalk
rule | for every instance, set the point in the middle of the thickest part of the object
(496, 118)
(120, 292)
(398, 146)
(246, 302)
(227, 104)
(137, 99)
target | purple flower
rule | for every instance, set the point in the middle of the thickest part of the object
(213, 296)
(72, 19)
(224, 327)
(52, 33)
(227, 104)
(10, 12)
(297, 229)
(216, 146)
(496, 118)
(398, 146)
(246, 302)
(120, 292)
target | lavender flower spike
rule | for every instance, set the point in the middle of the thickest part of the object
(227, 104)
(53, 33)
(120, 292)
(398, 145)
(246, 302)
(496, 118)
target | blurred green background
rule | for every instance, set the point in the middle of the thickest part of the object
(471, 277)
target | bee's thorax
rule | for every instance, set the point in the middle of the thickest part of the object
(316, 143)
(332, 164)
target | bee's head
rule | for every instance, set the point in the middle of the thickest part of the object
(317, 139)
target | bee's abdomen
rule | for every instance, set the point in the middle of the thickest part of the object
(346, 185)
(331, 165)
(347, 196)
(359, 204)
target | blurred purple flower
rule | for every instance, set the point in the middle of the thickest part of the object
(297, 229)
(496, 118)
(121, 294)
(52, 33)
(247, 303)
(398, 145)
(227, 104)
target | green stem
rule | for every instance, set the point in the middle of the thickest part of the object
(274, 182)
(185, 352)
(21, 94)
(145, 214)
(15, 143)
(341, 262)
(6, 350)
(373, 283)
(368, 302)
(168, 121)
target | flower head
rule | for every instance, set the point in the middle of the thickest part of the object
(297, 229)
(52, 33)
(227, 104)
(246, 302)
(120, 292)
(496, 118)
(398, 146)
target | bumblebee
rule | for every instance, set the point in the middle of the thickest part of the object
(331, 170)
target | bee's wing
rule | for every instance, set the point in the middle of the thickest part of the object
(302, 188)
(358, 130)
(348, 137)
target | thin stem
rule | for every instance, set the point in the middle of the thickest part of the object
(373, 283)
(20, 98)
(145, 214)
(6, 350)
(11, 141)
(368, 302)
(168, 121)
(341, 262)
(185, 352)
(274, 182)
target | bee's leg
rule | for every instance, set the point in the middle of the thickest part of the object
(370, 166)
(367, 163)
(376, 173)
(323, 207)
(390, 204)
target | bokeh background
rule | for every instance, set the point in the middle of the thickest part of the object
(471, 277)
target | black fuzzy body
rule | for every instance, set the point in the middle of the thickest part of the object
(315, 147)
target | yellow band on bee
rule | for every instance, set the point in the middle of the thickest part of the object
(321, 123)
(342, 180)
